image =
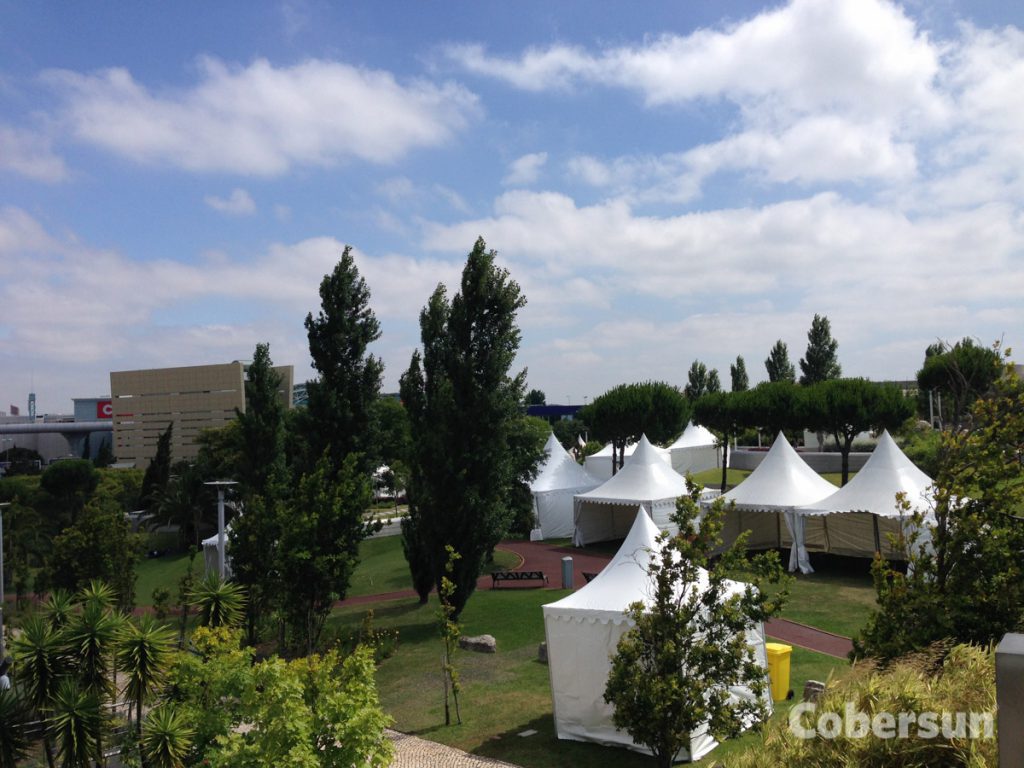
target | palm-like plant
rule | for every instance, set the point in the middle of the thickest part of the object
(76, 723)
(89, 639)
(98, 593)
(219, 602)
(59, 606)
(166, 738)
(13, 744)
(143, 651)
(39, 653)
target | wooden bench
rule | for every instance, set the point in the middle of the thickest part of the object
(497, 576)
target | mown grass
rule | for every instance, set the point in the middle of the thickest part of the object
(506, 693)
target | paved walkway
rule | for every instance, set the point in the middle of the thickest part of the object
(414, 752)
(541, 556)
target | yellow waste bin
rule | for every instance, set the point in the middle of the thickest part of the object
(778, 669)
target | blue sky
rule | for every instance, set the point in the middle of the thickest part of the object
(686, 181)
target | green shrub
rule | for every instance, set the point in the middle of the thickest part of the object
(962, 680)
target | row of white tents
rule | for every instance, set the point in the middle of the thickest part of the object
(783, 503)
(650, 475)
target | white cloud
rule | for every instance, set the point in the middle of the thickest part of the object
(238, 203)
(525, 170)
(30, 154)
(261, 119)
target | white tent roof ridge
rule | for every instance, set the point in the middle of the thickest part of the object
(647, 477)
(560, 471)
(887, 472)
(694, 436)
(782, 480)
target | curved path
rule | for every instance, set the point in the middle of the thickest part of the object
(546, 557)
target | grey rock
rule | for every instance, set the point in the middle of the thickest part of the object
(480, 644)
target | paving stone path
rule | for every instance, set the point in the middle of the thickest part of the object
(414, 752)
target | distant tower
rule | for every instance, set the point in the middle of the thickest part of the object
(32, 405)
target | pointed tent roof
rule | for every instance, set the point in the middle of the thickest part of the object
(694, 436)
(646, 477)
(781, 481)
(623, 581)
(606, 452)
(874, 488)
(559, 471)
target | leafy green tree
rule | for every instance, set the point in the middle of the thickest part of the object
(143, 653)
(463, 407)
(535, 397)
(673, 671)
(820, 362)
(777, 406)
(100, 545)
(846, 407)
(727, 414)
(394, 435)
(340, 400)
(627, 411)
(319, 547)
(963, 372)
(738, 375)
(967, 583)
(254, 544)
(72, 482)
(701, 381)
(261, 427)
(450, 632)
(218, 603)
(158, 473)
(777, 363)
(183, 501)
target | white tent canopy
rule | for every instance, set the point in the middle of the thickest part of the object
(599, 464)
(583, 631)
(210, 550)
(558, 480)
(762, 501)
(607, 512)
(856, 519)
(695, 450)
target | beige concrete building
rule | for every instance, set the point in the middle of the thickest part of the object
(194, 398)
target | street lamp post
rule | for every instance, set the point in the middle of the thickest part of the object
(220, 485)
(3, 647)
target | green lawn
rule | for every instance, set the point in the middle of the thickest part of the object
(163, 571)
(509, 692)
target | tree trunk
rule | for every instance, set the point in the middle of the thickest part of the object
(725, 461)
(847, 444)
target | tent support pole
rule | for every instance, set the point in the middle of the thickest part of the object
(878, 537)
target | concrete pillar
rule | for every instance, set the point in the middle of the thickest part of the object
(1010, 699)
(567, 572)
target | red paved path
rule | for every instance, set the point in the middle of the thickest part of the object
(539, 556)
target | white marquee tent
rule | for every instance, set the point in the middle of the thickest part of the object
(857, 518)
(764, 500)
(607, 512)
(599, 464)
(558, 480)
(695, 450)
(583, 630)
(210, 550)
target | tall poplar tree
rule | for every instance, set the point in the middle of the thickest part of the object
(738, 374)
(340, 400)
(464, 409)
(820, 362)
(777, 364)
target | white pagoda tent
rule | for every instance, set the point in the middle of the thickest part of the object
(857, 518)
(558, 480)
(599, 464)
(695, 450)
(762, 503)
(607, 512)
(211, 549)
(583, 631)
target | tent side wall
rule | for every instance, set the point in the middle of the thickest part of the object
(851, 533)
(599, 521)
(695, 459)
(554, 511)
(767, 528)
